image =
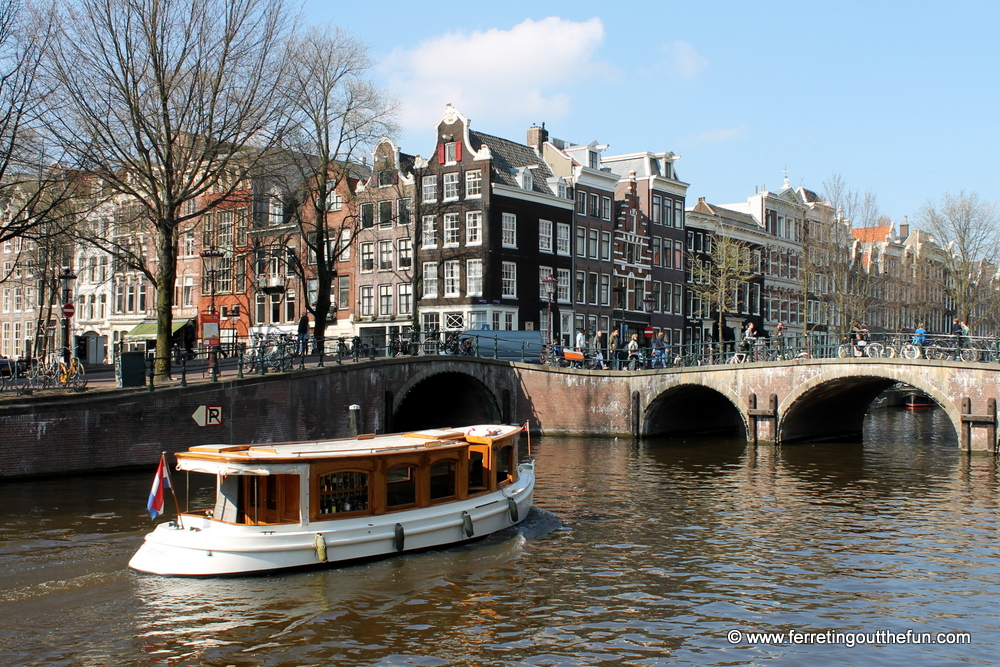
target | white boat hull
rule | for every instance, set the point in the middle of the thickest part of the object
(203, 547)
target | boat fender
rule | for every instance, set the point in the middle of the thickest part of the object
(400, 538)
(320, 543)
(512, 509)
(467, 525)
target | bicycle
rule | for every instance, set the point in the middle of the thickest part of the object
(72, 374)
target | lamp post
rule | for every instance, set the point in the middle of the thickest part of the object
(68, 309)
(211, 258)
(549, 282)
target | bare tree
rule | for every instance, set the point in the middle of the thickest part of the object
(719, 281)
(966, 227)
(336, 114)
(170, 104)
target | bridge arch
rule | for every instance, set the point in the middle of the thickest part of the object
(442, 398)
(693, 409)
(833, 404)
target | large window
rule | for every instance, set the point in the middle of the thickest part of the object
(367, 215)
(545, 235)
(562, 239)
(344, 292)
(562, 285)
(474, 228)
(367, 300)
(430, 279)
(473, 183)
(509, 229)
(451, 230)
(509, 279)
(451, 278)
(581, 241)
(405, 253)
(474, 277)
(401, 486)
(385, 300)
(430, 189)
(450, 186)
(367, 256)
(343, 492)
(405, 292)
(443, 479)
(428, 232)
(385, 213)
(385, 253)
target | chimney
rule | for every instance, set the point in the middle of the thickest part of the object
(537, 136)
(904, 229)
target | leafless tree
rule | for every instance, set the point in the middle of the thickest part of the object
(720, 280)
(169, 103)
(968, 229)
(336, 114)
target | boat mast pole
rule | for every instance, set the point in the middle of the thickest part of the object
(173, 490)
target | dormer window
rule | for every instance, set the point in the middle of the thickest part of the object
(595, 159)
(450, 153)
(527, 182)
(275, 210)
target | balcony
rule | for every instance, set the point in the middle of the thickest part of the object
(270, 283)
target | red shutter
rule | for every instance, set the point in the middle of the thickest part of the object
(458, 151)
(441, 154)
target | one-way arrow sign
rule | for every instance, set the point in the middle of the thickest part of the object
(208, 415)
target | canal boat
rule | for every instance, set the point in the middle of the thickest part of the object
(299, 504)
(918, 400)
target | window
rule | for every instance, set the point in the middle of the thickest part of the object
(527, 181)
(430, 279)
(343, 492)
(545, 235)
(344, 292)
(405, 253)
(581, 202)
(562, 285)
(385, 253)
(400, 487)
(429, 186)
(509, 279)
(592, 244)
(606, 208)
(451, 279)
(275, 210)
(334, 201)
(562, 239)
(473, 183)
(367, 256)
(451, 230)
(405, 298)
(605, 289)
(454, 321)
(428, 232)
(581, 294)
(474, 277)
(290, 306)
(451, 152)
(657, 203)
(509, 229)
(403, 211)
(450, 186)
(656, 251)
(474, 228)
(385, 300)
(581, 241)
(592, 288)
(443, 479)
(385, 213)
(595, 206)
(367, 215)
(678, 214)
(345, 245)
(367, 300)
(546, 282)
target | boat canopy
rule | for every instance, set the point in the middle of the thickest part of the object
(227, 468)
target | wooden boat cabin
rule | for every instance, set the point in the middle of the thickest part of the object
(308, 482)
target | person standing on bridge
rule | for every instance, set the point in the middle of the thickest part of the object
(302, 339)
(659, 351)
(600, 349)
(613, 344)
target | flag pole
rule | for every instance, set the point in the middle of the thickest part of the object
(173, 491)
(527, 424)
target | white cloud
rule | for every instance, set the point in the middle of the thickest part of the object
(716, 136)
(520, 75)
(685, 60)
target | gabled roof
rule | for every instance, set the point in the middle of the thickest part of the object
(509, 156)
(872, 234)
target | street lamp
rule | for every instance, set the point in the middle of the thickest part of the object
(211, 258)
(67, 310)
(549, 282)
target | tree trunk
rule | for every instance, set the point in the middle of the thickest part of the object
(166, 276)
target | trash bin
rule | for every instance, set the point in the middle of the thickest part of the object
(131, 369)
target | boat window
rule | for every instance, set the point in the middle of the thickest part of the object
(477, 471)
(343, 492)
(268, 499)
(443, 479)
(504, 463)
(401, 486)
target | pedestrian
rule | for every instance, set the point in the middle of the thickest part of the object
(302, 340)
(956, 332)
(920, 335)
(581, 340)
(613, 344)
(633, 352)
(600, 349)
(659, 351)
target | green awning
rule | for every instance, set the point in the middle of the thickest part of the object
(147, 331)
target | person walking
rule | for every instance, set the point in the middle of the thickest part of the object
(600, 349)
(302, 339)
(633, 353)
(613, 344)
(659, 351)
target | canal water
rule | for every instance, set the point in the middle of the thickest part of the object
(647, 553)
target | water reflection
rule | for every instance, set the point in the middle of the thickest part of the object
(638, 553)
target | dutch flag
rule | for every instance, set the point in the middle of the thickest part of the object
(160, 482)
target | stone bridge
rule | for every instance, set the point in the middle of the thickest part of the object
(772, 402)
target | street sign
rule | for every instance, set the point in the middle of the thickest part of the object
(208, 415)
(68, 310)
(649, 332)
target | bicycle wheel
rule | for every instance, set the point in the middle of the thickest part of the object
(874, 350)
(910, 351)
(935, 352)
(891, 352)
(970, 354)
(844, 351)
(81, 376)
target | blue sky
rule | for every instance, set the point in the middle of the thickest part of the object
(898, 98)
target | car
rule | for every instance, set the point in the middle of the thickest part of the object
(504, 345)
